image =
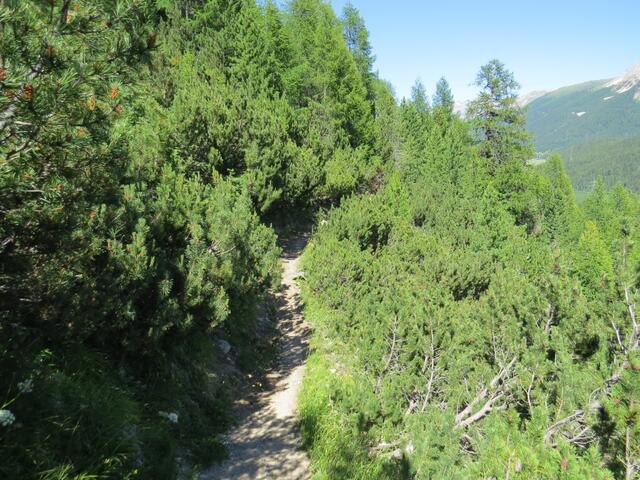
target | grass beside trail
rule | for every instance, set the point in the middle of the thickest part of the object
(339, 443)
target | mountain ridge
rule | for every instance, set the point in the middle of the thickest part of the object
(629, 79)
(579, 120)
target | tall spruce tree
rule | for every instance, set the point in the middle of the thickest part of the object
(357, 37)
(416, 117)
(443, 98)
(562, 217)
(419, 97)
(498, 118)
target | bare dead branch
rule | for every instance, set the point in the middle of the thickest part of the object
(496, 395)
(391, 356)
(432, 375)
(618, 336)
(550, 318)
(578, 415)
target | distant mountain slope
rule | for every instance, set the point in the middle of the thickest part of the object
(615, 160)
(596, 125)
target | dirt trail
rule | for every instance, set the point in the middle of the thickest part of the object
(266, 443)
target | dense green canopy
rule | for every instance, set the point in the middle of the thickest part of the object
(144, 146)
(472, 320)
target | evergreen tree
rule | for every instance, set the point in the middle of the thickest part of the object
(334, 110)
(623, 410)
(419, 97)
(497, 117)
(66, 76)
(415, 114)
(122, 246)
(562, 215)
(592, 261)
(386, 122)
(280, 45)
(443, 98)
(357, 38)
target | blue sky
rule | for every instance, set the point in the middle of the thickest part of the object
(547, 44)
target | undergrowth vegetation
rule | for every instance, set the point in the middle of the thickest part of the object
(471, 320)
(145, 148)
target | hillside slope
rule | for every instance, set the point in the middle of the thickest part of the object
(579, 120)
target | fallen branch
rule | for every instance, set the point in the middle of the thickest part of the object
(390, 357)
(495, 392)
(576, 416)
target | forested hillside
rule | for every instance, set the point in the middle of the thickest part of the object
(471, 319)
(594, 125)
(615, 160)
(146, 146)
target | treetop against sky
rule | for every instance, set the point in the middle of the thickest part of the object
(547, 44)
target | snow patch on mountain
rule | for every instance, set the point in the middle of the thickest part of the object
(626, 81)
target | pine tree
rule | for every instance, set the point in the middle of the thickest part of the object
(623, 411)
(419, 97)
(592, 262)
(334, 106)
(416, 119)
(443, 98)
(562, 215)
(280, 45)
(120, 249)
(497, 117)
(357, 37)
(386, 122)
(60, 163)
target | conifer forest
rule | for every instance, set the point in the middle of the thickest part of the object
(469, 317)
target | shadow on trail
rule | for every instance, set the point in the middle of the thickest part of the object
(266, 443)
